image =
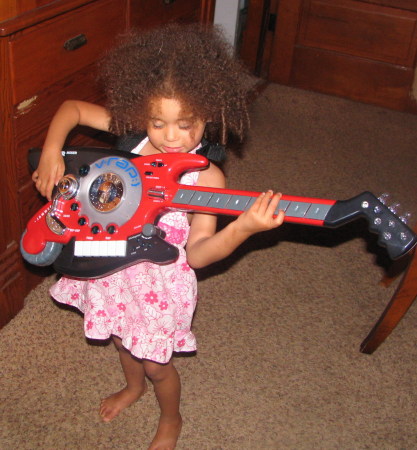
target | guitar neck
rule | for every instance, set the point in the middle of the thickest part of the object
(393, 234)
(304, 210)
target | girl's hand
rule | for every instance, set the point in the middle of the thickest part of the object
(70, 114)
(260, 216)
(206, 245)
(50, 170)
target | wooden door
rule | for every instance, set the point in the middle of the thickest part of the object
(258, 35)
(361, 50)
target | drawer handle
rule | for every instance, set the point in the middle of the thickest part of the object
(75, 42)
(168, 2)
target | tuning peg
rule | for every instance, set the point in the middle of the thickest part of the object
(383, 198)
(394, 208)
(405, 218)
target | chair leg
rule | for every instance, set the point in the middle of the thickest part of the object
(396, 269)
(399, 304)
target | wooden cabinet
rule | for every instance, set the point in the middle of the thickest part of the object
(148, 13)
(360, 49)
(48, 53)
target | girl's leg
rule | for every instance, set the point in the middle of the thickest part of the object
(167, 388)
(135, 384)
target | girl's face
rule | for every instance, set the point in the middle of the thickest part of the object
(170, 130)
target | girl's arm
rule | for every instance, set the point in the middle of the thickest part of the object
(70, 114)
(205, 246)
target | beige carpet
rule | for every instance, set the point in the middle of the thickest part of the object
(279, 323)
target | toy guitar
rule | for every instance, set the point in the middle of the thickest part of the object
(102, 216)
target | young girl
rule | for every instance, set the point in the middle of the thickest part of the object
(178, 84)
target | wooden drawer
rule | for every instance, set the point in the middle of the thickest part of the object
(30, 202)
(149, 13)
(31, 123)
(38, 54)
(12, 282)
(360, 29)
(401, 4)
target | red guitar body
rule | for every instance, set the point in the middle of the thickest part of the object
(102, 217)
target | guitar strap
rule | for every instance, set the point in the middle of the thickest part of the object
(214, 152)
(127, 142)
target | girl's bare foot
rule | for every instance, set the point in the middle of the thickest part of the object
(111, 406)
(167, 434)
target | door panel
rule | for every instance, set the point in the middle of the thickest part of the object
(362, 50)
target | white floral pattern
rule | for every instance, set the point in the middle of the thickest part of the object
(149, 306)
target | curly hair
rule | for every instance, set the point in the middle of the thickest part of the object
(193, 64)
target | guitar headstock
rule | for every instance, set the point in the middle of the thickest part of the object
(393, 232)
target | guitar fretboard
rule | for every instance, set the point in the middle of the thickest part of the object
(236, 203)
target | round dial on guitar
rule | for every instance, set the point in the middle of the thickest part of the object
(111, 192)
(106, 192)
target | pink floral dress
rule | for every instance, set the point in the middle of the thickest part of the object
(149, 306)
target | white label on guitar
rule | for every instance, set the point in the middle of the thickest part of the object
(100, 248)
